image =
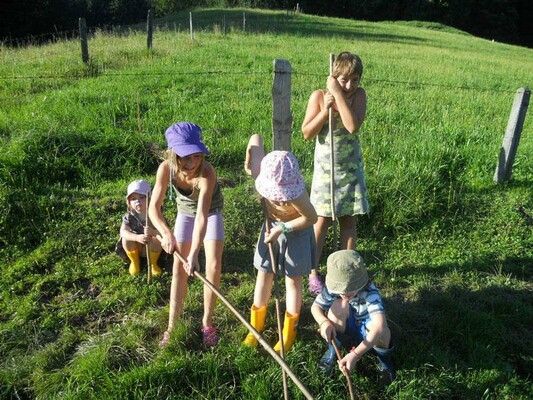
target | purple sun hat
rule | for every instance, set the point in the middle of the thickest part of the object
(280, 178)
(185, 138)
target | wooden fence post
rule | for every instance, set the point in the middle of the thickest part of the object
(149, 29)
(512, 136)
(190, 25)
(281, 97)
(244, 22)
(83, 40)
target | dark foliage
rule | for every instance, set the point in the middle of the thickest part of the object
(44, 20)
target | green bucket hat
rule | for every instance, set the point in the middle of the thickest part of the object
(346, 272)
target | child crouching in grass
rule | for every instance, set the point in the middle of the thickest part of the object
(350, 311)
(135, 234)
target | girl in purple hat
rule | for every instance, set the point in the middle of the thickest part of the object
(291, 217)
(193, 182)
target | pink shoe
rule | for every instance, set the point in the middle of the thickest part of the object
(315, 285)
(166, 337)
(210, 337)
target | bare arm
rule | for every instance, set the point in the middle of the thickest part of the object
(255, 152)
(206, 185)
(316, 114)
(354, 116)
(168, 241)
(325, 327)
(376, 329)
(307, 217)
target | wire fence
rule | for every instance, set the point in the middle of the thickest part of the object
(222, 24)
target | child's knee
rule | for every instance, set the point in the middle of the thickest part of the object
(339, 311)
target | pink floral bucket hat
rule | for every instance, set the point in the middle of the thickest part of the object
(280, 178)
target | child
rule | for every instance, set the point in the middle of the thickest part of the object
(135, 234)
(279, 182)
(350, 308)
(348, 103)
(199, 220)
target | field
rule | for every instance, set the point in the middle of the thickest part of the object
(451, 251)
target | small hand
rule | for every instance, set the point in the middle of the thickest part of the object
(333, 86)
(348, 361)
(329, 100)
(168, 243)
(149, 231)
(273, 235)
(327, 331)
(144, 239)
(191, 266)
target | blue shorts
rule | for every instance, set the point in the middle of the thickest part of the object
(185, 225)
(295, 252)
(356, 333)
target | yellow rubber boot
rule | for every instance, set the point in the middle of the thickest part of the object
(154, 256)
(135, 258)
(289, 332)
(257, 320)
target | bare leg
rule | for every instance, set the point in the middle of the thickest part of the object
(178, 288)
(263, 288)
(348, 232)
(213, 268)
(321, 228)
(254, 154)
(338, 314)
(293, 287)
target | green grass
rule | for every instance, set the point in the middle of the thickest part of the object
(451, 252)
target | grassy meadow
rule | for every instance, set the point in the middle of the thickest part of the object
(451, 251)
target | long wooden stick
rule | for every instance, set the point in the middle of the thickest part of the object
(332, 163)
(257, 335)
(148, 265)
(277, 296)
(345, 372)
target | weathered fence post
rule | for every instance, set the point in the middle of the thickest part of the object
(83, 40)
(149, 29)
(281, 112)
(512, 136)
(244, 22)
(190, 25)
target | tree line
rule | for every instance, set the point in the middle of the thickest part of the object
(501, 20)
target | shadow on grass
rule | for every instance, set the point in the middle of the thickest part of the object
(226, 20)
(469, 327)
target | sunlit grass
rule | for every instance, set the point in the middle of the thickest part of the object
(451, 251)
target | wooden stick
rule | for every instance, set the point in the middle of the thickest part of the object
(345, 372)
(332, 164)
(147, 247)
(257, 335)
(277, 296)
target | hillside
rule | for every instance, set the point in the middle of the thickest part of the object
(451, 251)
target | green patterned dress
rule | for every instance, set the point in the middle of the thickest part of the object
(350, 186)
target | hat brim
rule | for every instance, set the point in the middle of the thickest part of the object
(188, 149)
(268, 189)
(343, 287)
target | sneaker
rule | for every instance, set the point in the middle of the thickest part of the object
(166, 337)
(209, 335)
(315, 285)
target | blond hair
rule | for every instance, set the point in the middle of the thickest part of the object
(347, 64)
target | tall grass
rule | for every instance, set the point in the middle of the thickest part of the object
(451, 251)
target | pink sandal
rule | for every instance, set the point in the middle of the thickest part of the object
(315, 285)
(209, 335)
